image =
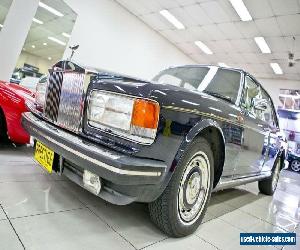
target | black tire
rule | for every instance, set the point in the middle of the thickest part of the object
(164, 211)
(268, 186)
(3, 128)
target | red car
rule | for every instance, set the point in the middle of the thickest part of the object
(12, 105)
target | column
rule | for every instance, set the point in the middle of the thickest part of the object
(13, 34)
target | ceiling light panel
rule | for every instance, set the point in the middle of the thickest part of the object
(172, 19)
(50, 9)
(37, 21)
(66, 35)
(241, 10)
(53, 39)
(276, 68)
(262, 44)
(203, 47)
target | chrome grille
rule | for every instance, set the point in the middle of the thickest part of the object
(64, 99)
(53, 94)
(71, 101)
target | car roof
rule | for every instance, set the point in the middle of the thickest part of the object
(207, 65)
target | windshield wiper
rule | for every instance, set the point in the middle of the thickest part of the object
(218, 95)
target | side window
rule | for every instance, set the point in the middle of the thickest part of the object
(252, 91)
(268, 115)
(254, 94)
(226, 82)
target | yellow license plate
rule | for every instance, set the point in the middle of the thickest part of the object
(44, 156)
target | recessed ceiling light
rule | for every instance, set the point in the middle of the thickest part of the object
(172, 19)
(203, 47)
(49, 58)
(261, 43)
(37, 21)
(223, 65)
(66, 35)
(45, 44)
(33, 46)
(56, 40)
(241, 9)
(50, 9)
(276, 68)
(1, 25)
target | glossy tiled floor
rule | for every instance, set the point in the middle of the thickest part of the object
(40, 211)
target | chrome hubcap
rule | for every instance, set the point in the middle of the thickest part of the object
(193, 190)
(295, 166)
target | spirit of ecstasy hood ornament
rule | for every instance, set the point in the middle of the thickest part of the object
(73, 48)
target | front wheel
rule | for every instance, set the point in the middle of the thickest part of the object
(268, 186)
(181, 207)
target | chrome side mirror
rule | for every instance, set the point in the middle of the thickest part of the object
(260, 104)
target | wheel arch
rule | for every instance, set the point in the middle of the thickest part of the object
(212, 132)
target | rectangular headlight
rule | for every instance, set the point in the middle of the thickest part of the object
(126, 116)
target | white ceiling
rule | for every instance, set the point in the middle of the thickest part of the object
(216, 23)
(53, 26)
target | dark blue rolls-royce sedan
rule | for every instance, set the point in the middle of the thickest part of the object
(168, 142)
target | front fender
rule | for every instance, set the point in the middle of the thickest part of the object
(192, 134)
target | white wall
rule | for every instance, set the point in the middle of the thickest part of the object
(273, 87)
(112, 38)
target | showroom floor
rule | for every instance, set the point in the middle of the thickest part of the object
(40, 211)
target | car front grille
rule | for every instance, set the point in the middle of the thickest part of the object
(64, 99)
(53, 95)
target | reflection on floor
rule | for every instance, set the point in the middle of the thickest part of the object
(41, 211)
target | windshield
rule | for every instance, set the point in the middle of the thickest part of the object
(219, 82)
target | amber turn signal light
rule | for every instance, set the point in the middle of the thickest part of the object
(145, 114)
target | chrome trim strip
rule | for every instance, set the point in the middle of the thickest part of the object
(102, 164)
(240, 181)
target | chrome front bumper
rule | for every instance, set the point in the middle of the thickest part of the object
(110, 165)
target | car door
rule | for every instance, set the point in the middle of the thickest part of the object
(269, 120)
(228, 83)
(255, 134)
